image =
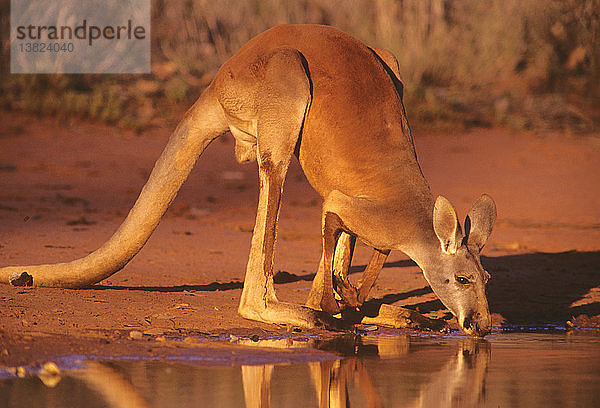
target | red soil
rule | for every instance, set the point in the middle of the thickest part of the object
(64, 188)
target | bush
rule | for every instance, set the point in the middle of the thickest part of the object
(519, 63)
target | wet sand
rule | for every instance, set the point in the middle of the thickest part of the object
(64, 188)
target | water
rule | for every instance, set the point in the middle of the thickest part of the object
(376, 370)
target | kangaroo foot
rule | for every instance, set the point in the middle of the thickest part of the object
(290, 314)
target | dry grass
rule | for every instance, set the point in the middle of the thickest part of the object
(518, 63)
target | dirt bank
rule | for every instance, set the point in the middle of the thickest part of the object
(64, 188)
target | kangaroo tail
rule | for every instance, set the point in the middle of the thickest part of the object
(201, 125)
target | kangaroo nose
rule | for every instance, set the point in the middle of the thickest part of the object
(477, 325)
(483, 329)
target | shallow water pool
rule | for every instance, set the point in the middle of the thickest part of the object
(373, 370)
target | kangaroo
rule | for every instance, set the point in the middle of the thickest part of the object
(336, 104)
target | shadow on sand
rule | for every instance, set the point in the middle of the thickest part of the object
(528, 289)
(542, 287)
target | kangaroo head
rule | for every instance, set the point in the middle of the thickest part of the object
(457, 277)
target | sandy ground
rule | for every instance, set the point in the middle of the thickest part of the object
(64, 188)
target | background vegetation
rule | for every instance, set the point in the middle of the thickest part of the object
(526, 64)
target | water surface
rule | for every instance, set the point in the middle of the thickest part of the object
(376, 370)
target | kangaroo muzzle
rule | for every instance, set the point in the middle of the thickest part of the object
(476, 324)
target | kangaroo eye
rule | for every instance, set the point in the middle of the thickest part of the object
(462, 280)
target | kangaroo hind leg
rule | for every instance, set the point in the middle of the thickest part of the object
(280, 97)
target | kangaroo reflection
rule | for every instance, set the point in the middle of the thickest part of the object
(331, 380)
(373, 371)
(257, 385)
(114, 387)
(460, 382)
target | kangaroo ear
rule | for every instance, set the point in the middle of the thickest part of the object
(446, 226)
(480, 221)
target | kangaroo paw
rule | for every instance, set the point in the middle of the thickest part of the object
(400, 318)
(347, 292)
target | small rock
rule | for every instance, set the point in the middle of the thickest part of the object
(136, 335)
(155, 331)
(20, 372)
(50, 374)
(182, 306)
(20, 279)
